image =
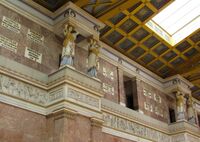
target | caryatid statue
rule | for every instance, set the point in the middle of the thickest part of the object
(180, 105)
(93, 55)
(190, 109)
(68, 51)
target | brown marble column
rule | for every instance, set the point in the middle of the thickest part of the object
(121, 93)
(96, 130)
(64, 126)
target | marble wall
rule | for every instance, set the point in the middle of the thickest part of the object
(152, 101)
(110, 138)
(29, 35)
(18, 125)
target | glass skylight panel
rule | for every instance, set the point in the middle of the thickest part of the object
(178, 20)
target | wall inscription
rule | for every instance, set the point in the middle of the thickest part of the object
(35, 37)
(11, 24)
(153, 108)
(108, 89)
(33, 55)
(8, 43)
(130, 127)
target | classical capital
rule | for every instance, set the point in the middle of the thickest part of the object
(96, 122)
(64, 113)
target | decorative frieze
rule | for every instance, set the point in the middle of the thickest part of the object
(11, 24)
(78, 96)
(56, 95)
(22, 91)
(33, 55)
(108, 89)
(178, 138)
(130, 127)
(8, 43)
(35, 37)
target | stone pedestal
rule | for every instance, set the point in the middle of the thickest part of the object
(64, 126)
(96, 130)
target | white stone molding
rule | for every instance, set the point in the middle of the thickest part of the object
(124, 135)
(135, 116)
(75, 78)
(191, 138)
(128, 126)
(177, 82)
(179, 138)
(96, 122)
(23, 91)
(183, 126)
(64, 113)
(115, 113)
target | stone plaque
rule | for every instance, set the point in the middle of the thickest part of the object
(11, 24)
(33, 55)
(8, 43)
(108, 89)
(34, 36)
(108, 74)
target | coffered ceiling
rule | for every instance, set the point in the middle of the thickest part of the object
(126, 32)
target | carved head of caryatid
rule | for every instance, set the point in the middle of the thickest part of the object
(68, 29)
(179, 97)
(93, 45)
(190, 100)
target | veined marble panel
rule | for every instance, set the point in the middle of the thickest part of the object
(130, 127)
(35, 37)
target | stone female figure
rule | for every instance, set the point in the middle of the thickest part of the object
(68, 51)
(93, 57)
(180, 106)
(191, 113)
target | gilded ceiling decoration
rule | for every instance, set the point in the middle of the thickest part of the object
(126, 32)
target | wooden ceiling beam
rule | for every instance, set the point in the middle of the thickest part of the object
(82, 3)
(121, 7)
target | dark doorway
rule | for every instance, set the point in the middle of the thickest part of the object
(130, 89)
(172, 115)
(198, 119)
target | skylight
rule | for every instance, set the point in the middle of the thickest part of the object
(177, 21)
